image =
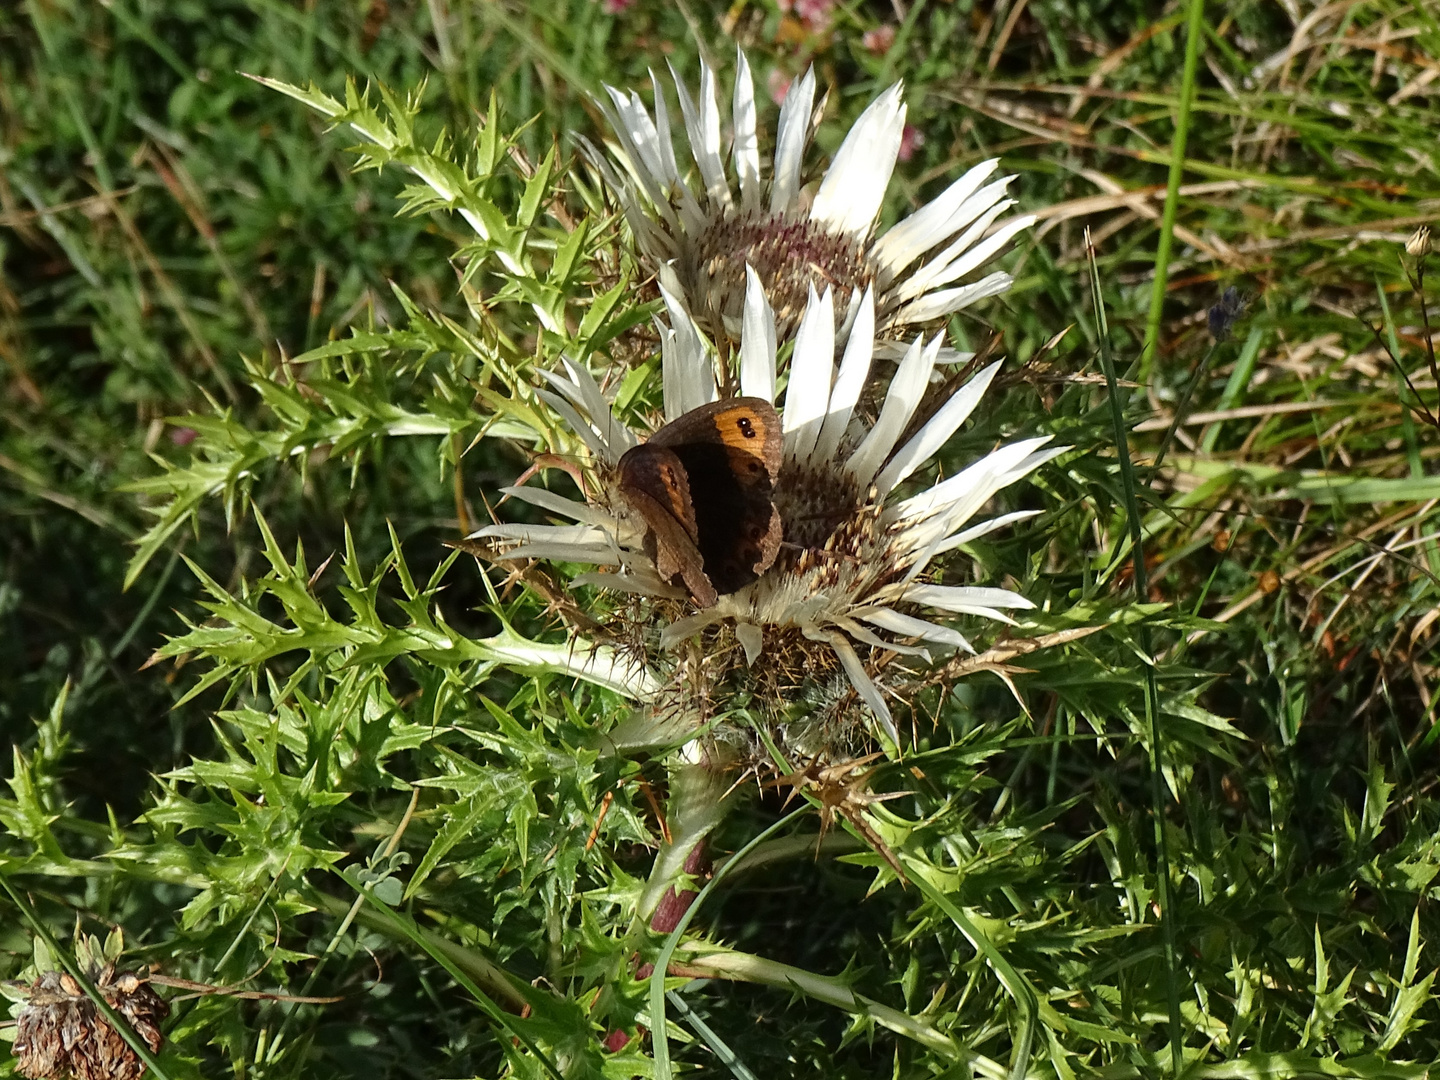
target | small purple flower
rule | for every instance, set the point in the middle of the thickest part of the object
(1223, 315)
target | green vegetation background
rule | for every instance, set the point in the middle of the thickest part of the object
(162, 218)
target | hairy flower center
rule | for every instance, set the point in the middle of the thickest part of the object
(789, 253)
(815, 504)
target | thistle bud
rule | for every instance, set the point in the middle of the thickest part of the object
(1419, 243)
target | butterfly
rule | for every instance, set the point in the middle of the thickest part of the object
(703, 485)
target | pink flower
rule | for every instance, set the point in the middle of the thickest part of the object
(183, 436)
(777, 84)
(815, 14)
(911, 139)
(616, 7)
(879, 40)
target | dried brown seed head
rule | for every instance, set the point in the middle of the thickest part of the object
(61, 1035)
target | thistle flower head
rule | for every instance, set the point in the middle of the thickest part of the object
(847, 584)
(700, 233)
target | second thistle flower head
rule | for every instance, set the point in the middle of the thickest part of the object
(700, 237)
(840, 576)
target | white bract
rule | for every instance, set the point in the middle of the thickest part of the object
(848, 575)
(700, 232)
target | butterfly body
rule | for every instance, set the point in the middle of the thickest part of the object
(703, 485)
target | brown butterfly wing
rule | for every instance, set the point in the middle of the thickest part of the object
(747, 424)
(730, 451)
(653, 481)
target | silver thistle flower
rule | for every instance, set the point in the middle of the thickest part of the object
(700, 240)
(848, 576)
